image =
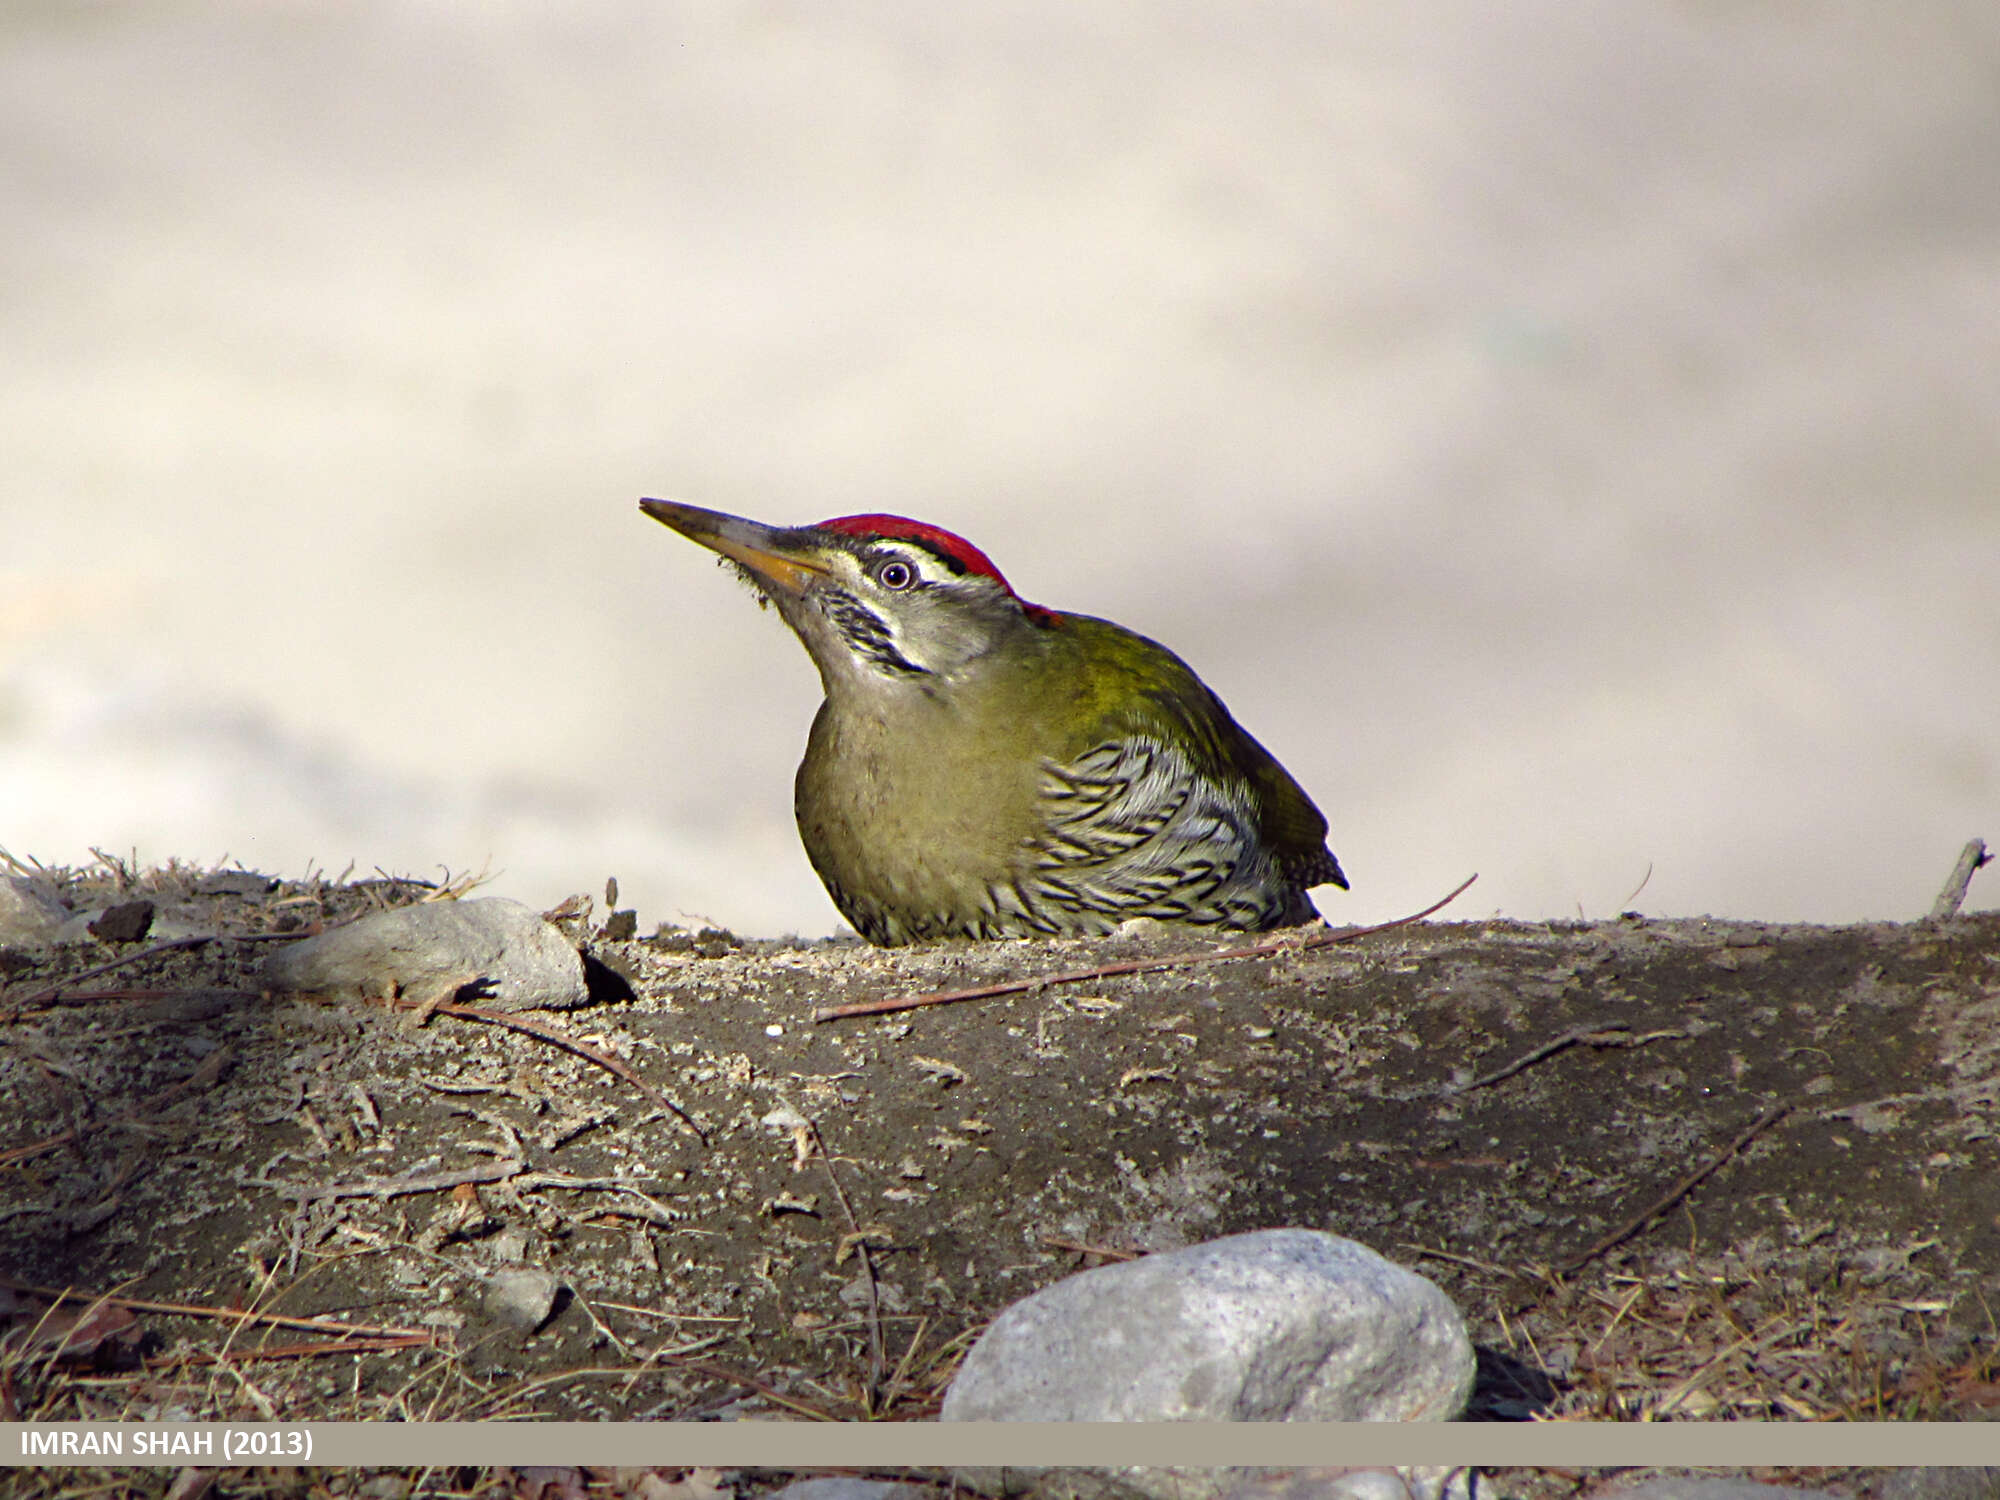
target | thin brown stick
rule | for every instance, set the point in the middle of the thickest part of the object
(65, 988)
(158, 994)
(1952, 897)
(668, 1316)
(1752, 1338)
(859, 1240)
(902, 1370)
(1643, 879)
(1678, 1191)
(1081, 1248)
(366, 1344)
(1548, 1049)
(197, 1310)
(560, 1039)
(1487, 1267)
(62, 985)
(201, 1078)
(1134, 966)
(1596, 1034)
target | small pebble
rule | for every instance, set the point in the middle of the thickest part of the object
(520, 1297)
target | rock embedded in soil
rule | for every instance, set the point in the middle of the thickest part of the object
(436, 949)
(127, 922)
(520, 1297)
(1272, 1326)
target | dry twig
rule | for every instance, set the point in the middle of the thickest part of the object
(363, 1344)
(51, 992)
(1678, 1191)
(1082, 1248)
(237, 1314)
(857, 1237)
(1486, 1267)
(1608, 1034)
(1287, 944)
(559, 1038)
(1952, 897)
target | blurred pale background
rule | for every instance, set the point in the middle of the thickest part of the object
(1565, 433)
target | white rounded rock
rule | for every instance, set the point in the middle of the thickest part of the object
(1273, 1326)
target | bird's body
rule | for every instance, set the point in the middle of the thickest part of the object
(983, 767)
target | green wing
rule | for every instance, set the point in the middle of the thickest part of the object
(1142, 688)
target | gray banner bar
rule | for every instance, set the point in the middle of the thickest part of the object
(800, 1444)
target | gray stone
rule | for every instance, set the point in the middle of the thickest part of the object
(1279, 1325)
(1261, 1483)
(520, 1297)
(430, 951)
(1934, 1482)
(1693, 1487)
(29, 918)
(843, 1488)
(1425, 1483)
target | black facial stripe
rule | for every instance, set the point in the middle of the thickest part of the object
(866, 634)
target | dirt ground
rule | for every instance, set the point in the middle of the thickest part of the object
(1669, 1169)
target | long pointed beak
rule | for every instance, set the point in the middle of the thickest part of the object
(770, 552)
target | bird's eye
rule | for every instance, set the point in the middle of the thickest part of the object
(895, 575)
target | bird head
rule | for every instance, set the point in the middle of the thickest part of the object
(878, 600)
